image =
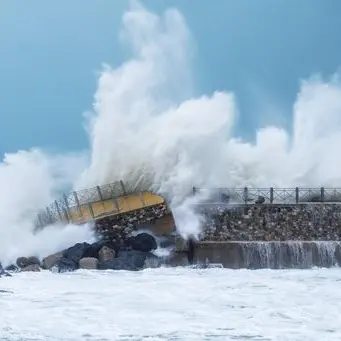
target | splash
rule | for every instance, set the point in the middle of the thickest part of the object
(28, 181)
(147, 129)
(144, 132)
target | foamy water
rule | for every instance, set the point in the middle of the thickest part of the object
(173, 304)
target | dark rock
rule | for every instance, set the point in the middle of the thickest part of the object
(31, 268)
(106, 254)
(24, 262)
(34, 261)
(127, 260)
(142, 242)
(12, 267)
(89, 263)
(99, 244)
(64, 265)
(78, 251)
(51, 260)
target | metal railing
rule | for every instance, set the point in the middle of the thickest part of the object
(89, 204)
(270, 195)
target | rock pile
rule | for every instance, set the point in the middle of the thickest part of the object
(117, 228)
(132, 255)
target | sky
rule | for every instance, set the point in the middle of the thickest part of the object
(52, 51)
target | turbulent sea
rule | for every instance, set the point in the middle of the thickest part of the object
(172, 304)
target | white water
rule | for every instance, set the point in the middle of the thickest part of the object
(173, 304)
(146, 128)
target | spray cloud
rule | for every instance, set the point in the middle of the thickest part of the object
(147, 130)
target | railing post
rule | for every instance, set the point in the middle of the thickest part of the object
(66, 215)
(41, 224)
(246, 195)
(99, 193)
(49, 215)
(77, 203)
(66, 202)
(142, 200)
(58, 210)
(115, 201)
(271, 195)
(123, 188)
(297, 195)
(322, 194)
(67, 210)
(91, 210)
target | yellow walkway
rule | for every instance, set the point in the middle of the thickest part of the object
(100, 209)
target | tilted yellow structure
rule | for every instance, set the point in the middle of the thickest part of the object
(95, 203)
(122, 204)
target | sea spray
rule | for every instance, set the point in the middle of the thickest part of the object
(28, 181)
(147, 129)
(145, 135)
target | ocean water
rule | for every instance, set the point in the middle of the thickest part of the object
(172, 304)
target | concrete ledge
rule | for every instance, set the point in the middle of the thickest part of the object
(273, 254)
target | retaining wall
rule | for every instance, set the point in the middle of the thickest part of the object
(257, 255)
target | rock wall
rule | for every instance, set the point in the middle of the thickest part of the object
(117, 228)
(272, 222)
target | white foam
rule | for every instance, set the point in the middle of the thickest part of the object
(178, 304)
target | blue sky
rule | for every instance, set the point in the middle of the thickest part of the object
(50, 52)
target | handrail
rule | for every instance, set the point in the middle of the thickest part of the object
(92, 203)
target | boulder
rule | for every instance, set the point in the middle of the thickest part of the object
(51, 260)
(34, 261)
(31, 268)
(142, 242)
(78, 251)
(89, 263)
(127, 260)
(106, 254)
(23, 262)
(64, 265)
(12, 267)
(96, 247)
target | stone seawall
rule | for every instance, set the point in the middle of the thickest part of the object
(272, 222)
(273, 255)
